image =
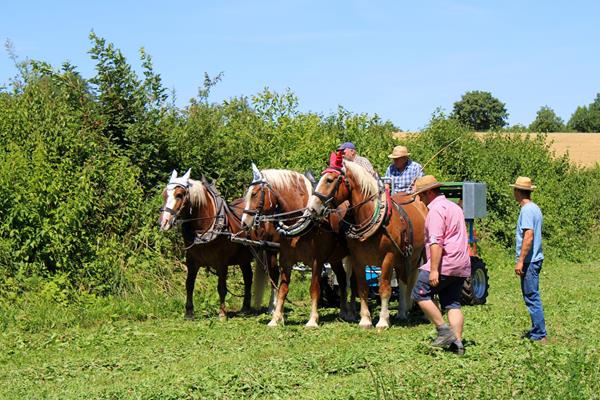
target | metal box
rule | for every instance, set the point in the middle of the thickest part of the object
(474, 199)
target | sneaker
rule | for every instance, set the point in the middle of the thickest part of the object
(458, 348)
(445, 337)
(526, 335)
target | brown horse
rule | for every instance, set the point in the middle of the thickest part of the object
(207, 224)
(389, 234)
(285, 194)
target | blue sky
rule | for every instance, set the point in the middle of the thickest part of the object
(398, 59)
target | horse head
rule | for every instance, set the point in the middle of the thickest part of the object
(175, 197)
(272, 190)
(332, 189)
(342, 181)
(259, 199)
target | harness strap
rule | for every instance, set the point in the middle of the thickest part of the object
(408, 234)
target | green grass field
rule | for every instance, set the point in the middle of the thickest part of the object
(142, 348)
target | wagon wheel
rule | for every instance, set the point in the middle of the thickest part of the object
(475, 288)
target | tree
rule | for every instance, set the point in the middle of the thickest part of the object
(586, 119)
(480, 111)
(546, 120)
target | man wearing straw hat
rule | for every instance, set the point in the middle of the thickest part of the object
(529, 256)
(448, 263)
(403, 172)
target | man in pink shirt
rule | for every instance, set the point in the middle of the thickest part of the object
(448, 263)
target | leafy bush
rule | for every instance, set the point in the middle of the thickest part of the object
(83, 162)
(566, 195)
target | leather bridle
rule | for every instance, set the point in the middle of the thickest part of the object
(326, 199)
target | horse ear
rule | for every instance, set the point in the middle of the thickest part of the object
(257, 176)
(186, 176)
(173, 175)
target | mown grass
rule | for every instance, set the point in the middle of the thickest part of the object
(142, 348)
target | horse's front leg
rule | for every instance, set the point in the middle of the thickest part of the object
(274, 277)
(222, 289)
(190, 281)
(405, 291)
(315, 291)
(385, 290)
(284, 281)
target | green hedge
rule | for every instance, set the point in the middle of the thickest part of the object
(83, 162)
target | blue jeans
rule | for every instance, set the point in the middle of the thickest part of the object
(530, 286)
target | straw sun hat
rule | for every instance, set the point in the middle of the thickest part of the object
(399, 151)
(523, 183)
(425, 183)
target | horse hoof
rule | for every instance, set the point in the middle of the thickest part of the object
(222, 318)
(274, 323)
(365, 324)
(311, 324)
(382, 327)
(189, 317)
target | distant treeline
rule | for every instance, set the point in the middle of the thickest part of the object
(83, 163)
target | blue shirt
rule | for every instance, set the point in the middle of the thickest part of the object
(530, 218)
(403, 180)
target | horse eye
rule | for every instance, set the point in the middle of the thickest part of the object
(253, 194)
(329, 180)
(179, 196)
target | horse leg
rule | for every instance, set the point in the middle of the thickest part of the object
(363, 293)
(315, 291)
(401, 271)
(274, 275)
(353, 295)
(222, 289)
(340, 273)
(284, 281)
(405, 301)
(247, 275)
(410, 284)
(385, 291)
(402, 304)
(190, 281)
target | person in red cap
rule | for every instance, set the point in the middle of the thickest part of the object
(349, 152)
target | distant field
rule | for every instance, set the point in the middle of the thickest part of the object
(583, 148)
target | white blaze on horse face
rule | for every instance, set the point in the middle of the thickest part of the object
(315, 205)
(166, 220)
(247, 219)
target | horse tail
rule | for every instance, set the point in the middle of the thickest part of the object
(348, 266)
(261, 278)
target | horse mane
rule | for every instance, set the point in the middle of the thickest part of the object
(282, 179)
(365, 181)
(198, 195)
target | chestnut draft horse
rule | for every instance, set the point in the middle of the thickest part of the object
(207, 224)
(387, 233)
(276, 197)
